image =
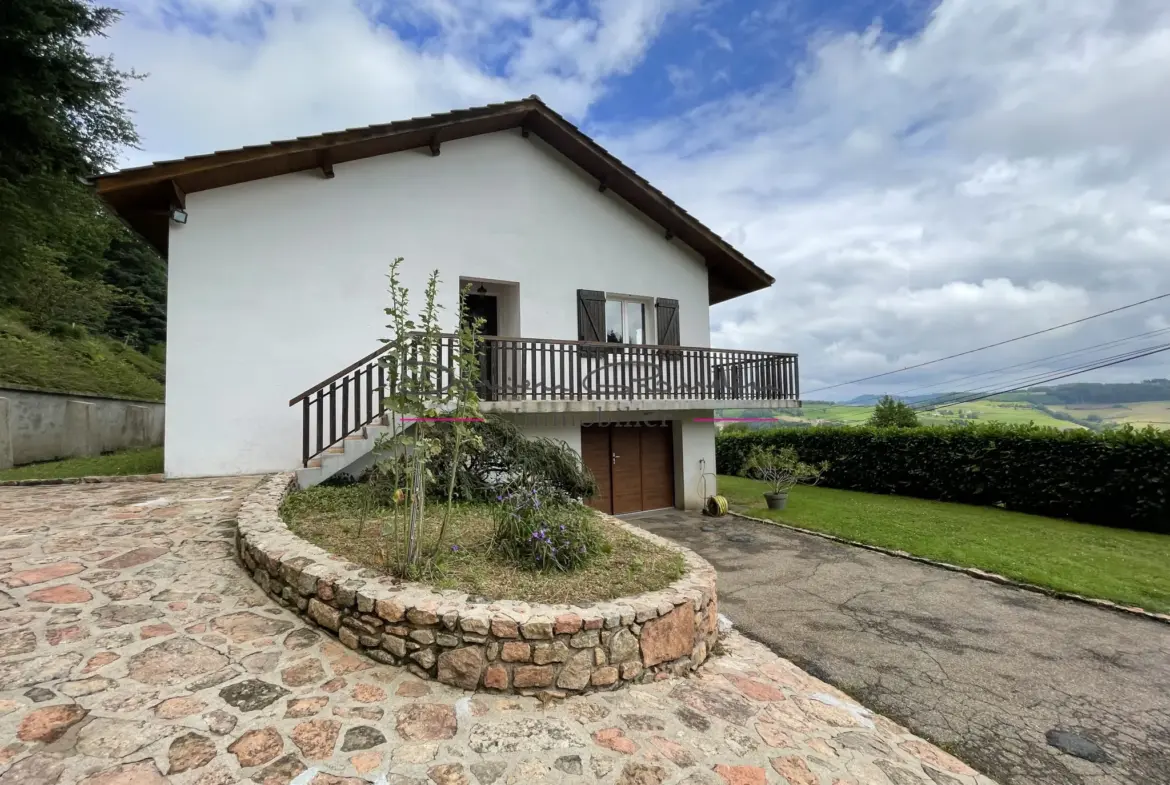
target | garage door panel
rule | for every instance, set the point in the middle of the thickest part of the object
(657, 467)
(595, 454)
(626, 444)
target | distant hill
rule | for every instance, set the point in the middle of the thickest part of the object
(1060, 394)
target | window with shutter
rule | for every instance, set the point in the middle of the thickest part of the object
(666, 313)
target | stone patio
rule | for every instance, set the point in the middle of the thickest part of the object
(134, 650)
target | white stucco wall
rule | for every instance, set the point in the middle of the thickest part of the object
(276, 284)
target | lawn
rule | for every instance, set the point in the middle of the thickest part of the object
(1096, 561)
(340, 520)
(148, 460)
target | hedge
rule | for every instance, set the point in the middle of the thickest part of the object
(1119, 478)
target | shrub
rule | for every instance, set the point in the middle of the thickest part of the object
(782, 468)
(502, 458)
(1119, 478)
(543, 535)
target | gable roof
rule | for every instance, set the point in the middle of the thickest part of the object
(143, 196)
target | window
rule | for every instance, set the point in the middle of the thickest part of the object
(625, 321)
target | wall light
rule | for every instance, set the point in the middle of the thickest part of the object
(179, 216)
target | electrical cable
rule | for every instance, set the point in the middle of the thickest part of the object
(1157, 350)
(1033, 379)
(1036, 361)
(991, 345)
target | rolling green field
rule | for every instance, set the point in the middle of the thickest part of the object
(822, 413)
(1139, 415)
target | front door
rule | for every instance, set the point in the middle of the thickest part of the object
(633, 465)
(484, 306)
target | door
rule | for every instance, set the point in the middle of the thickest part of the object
(625, 445)
(657, 480)
(634, 466)
(485, 306)
(595, 453)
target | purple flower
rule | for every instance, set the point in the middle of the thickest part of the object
(454, 548)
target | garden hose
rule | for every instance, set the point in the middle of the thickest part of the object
(714, 505)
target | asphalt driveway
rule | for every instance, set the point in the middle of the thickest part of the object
(990, 673)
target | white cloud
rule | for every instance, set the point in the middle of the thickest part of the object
(245, 71)
(1005, 170)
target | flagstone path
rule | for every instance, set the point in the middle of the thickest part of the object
(135, 651)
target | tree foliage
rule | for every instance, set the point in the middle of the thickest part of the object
(67, 264)
(889, 412)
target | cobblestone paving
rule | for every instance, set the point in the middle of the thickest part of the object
(135, 651)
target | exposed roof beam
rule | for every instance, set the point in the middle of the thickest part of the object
(435, 145)
(326, 163)
(178, 198)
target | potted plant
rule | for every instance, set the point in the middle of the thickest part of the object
(782, 469)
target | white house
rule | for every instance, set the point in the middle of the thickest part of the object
(595, 286)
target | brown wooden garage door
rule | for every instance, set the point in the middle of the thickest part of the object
(634, 466)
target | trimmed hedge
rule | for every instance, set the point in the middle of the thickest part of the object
(1120, 478)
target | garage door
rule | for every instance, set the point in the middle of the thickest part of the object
(634, 466)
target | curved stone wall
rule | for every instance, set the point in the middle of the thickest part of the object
(505, 646)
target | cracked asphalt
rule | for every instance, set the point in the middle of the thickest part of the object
(985, 671)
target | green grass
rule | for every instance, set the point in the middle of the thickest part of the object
(89, 364)
(144, 461)
(1113, 564)
(342, 520)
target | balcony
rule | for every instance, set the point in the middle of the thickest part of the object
(538, 375)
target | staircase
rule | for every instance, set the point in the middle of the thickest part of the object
(351, 455)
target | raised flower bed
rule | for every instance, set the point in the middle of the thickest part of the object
(506, 646)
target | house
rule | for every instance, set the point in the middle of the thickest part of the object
(595, 288)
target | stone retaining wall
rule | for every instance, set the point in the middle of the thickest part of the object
(505, 646)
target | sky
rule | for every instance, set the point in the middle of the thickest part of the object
(921, 177)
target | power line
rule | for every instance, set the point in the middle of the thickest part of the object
(990, 345)
(1036, 361)
(1164, 348)
(1037, 378)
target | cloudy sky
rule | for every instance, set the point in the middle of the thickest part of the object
(920, 176)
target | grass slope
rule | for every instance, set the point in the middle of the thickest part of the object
(1114, 564)
(144, 461)
(81, 365)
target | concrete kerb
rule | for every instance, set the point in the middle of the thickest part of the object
(973, 572)
(503, 646)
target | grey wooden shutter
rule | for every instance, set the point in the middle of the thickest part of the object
(590, 315)
(666, 313)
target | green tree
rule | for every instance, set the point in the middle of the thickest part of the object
(892, 413)
(61, 118)
(138, 312)
(61, 107)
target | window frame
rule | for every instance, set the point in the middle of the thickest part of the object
(648, 318)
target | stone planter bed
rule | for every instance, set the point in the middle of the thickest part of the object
(504, 646)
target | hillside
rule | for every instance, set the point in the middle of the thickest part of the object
(85, 364)
(826, 413)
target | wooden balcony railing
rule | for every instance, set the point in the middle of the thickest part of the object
(537, 369)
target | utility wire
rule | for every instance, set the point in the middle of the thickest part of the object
(1163, 348)
(1035, 378)
(1036, 361)
(990, 345)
